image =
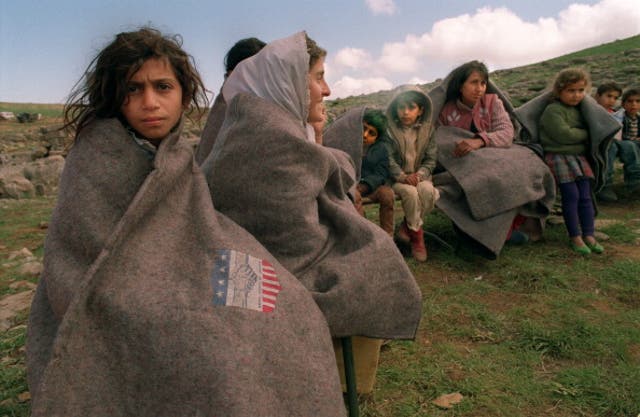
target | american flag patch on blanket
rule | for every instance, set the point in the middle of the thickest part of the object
(241, 280)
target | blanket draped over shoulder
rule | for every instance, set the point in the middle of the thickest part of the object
(154, 304)
(211, 128)
(483, 191)
(291, 194)
(602, 127)
(345, 133)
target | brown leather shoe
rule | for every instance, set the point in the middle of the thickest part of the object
(403, 233)
(418, 248)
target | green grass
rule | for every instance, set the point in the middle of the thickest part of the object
(539, 331)
(20, 227)
(12, 374)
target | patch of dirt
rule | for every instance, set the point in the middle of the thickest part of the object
(618, 251)
(603, 306)
(12, 305)
(634, 352)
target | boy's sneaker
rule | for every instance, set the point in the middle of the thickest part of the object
(402, 235)
(607, 195)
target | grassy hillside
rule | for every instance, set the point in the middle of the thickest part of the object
(616, 47)
(615, 61)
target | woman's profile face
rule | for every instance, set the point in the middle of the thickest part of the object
(318, 89)
(473, 89)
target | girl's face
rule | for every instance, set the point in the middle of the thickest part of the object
(408, 113)
(573, 93)
(473, 89)
(369, 133)
(154, 100)
(318, 89)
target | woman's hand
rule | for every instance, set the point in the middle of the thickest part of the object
(466, 146)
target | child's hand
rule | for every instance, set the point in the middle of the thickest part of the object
(412, 179)
(362, 188)
(466, 146)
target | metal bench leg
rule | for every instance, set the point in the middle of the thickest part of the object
(350, 377)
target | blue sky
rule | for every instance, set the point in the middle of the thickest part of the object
(373, 44)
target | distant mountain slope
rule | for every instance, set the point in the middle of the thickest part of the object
(615, 61)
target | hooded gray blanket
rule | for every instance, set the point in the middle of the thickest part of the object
(292, 195)
(483, 191)
(154, 304)
(602, 127)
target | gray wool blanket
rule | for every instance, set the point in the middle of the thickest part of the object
(291, 194)
(345, 133)
(602, 127)
(483, 191)
(211, 128)
(154, 304)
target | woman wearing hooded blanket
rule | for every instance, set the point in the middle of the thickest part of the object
(268, 174)
(151, 302)
(484, 188)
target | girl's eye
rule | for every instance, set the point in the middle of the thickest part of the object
(132, 88)
(164, 86)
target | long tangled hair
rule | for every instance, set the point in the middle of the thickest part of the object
(102, 89)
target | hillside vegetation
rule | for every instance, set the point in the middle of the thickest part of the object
(615, 61)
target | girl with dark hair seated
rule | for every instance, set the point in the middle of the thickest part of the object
(491, 186)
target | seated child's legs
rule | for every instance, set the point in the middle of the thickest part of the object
(410, 204)
(428, 196)
(629, 153)
(385, 196)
